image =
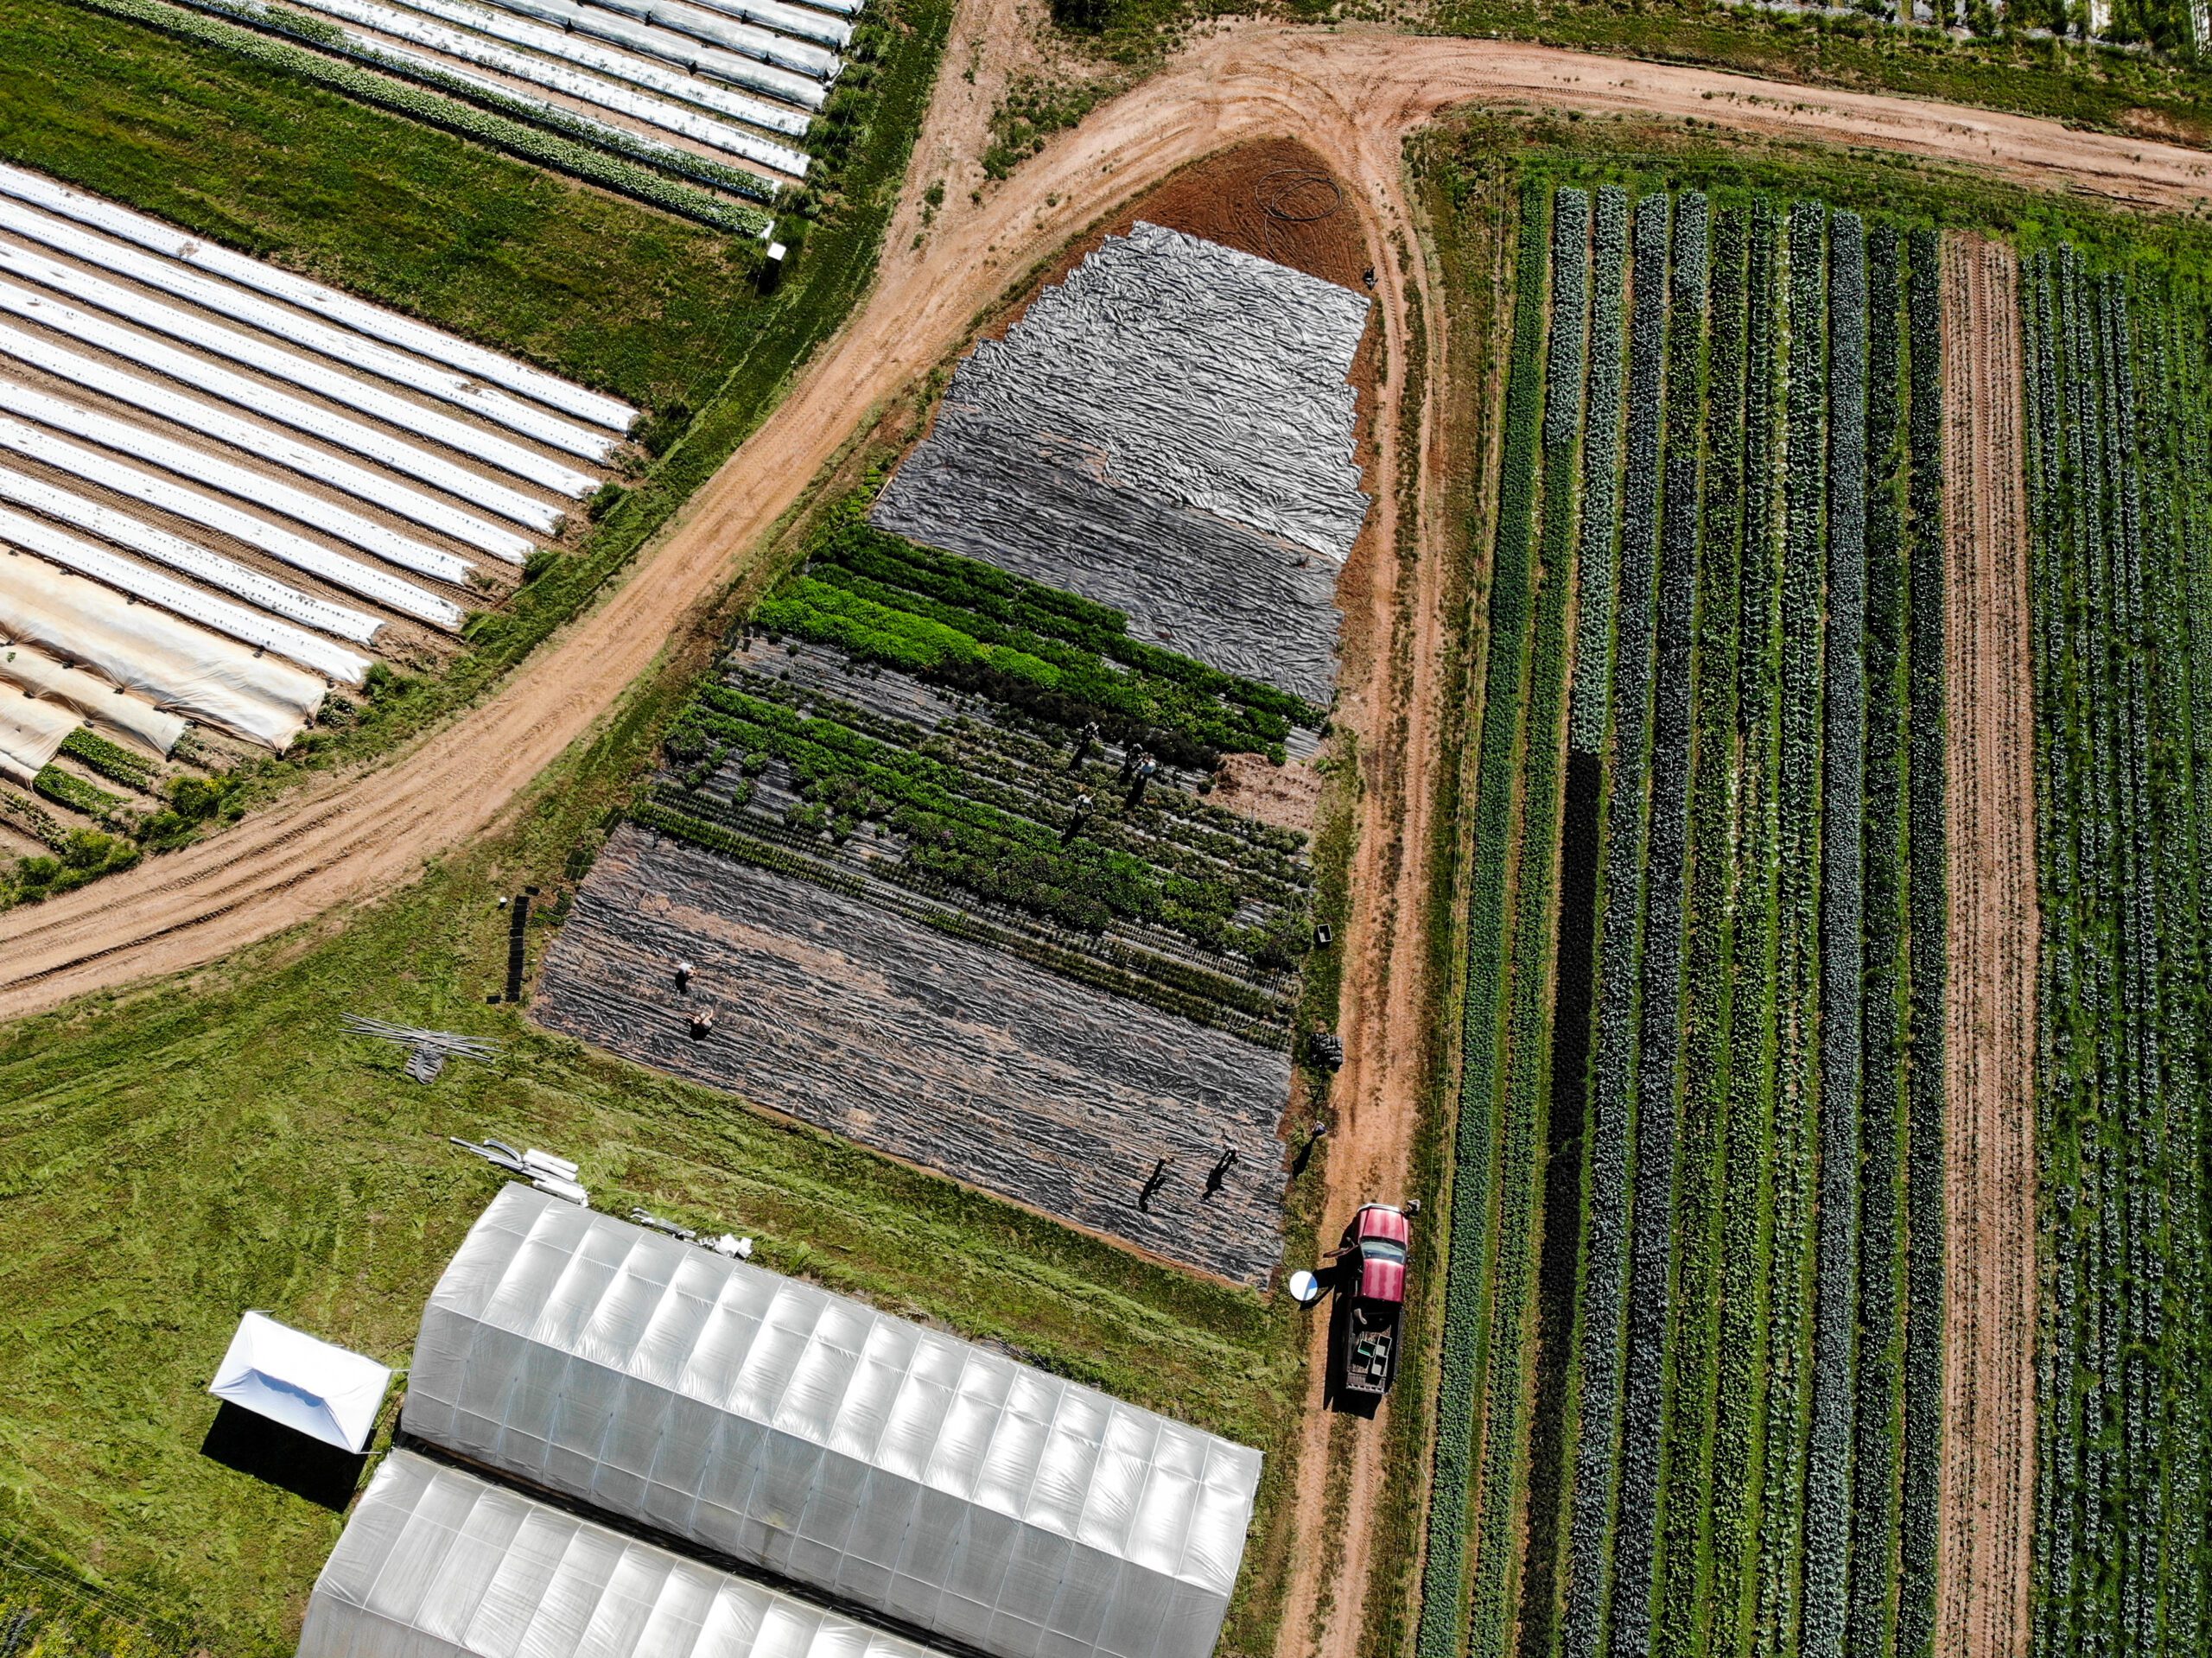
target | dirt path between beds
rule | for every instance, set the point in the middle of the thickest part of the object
(1986, 1520)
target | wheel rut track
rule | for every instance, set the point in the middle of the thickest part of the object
(1351, 95)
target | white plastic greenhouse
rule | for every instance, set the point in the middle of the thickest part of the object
(436, 1563)
(902, 1471)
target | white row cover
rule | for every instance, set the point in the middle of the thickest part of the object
(311, 1386)
(264, 442)
(189, 368)
(583, 54)
(125, 438)
(785, 84)
(476, 361)
(108, 706)
(31, 734)
(608, 95)
(226, 574)
(94, 467)
(896, 1468)
(274, 322)
(250, 626)
(175, 666)
(667, 30)
(802, 22)
(436, 1563)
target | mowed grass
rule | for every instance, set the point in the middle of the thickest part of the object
(616, 295)
(171, 1159)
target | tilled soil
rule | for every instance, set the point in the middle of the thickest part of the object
(941, 1051)
(1986, 1518)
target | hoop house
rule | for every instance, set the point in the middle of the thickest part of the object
(436, 1563)
(904, 1472)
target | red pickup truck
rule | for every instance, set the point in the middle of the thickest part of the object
(1373, 1265)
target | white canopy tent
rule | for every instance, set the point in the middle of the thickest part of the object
(436, 1563)
(323, 1391)
(892, 1468)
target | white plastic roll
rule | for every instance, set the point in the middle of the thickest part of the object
(340, 308)
(175, 666)
(259, 487)
(31, 734)
(108, 706)
(787, 84)
(278, 542)
(612, 95)
(279, 448)
(432, 379)
(803, 21)
(263, 592)
(249, 627)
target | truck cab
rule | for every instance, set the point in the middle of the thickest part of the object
(1372, 1286)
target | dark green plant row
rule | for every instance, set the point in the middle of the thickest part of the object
(1524, 1073)
(998, 854)
(68, 789)
(111, 760)
(1713, 1460)
(547, 145)
(1038, 755)
(2122, 630)
(1470, 1257)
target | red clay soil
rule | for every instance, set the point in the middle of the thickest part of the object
(1987, 1520)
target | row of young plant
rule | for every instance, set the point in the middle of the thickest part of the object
(1727, 1450)
(2120, 511)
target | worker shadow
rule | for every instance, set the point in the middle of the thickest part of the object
(283, 1457)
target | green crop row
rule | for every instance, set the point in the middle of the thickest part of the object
(1601, 1324)
(1526, 1049)
(68, 789)
(1685, 1614)
(1468, 1273)
(111, 760)
(1921, 1476)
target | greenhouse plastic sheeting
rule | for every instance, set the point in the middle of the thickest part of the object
(476, 361)
(31, 733)
(272, 323)
(895, 1469)
(675, 32)
(190, 368)
(106, 705)
(172, 663)
(436, 1563)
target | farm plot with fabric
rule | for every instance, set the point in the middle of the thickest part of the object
(934, 795)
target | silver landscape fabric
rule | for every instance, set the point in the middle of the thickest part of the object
(436, 1563)
(894, 1469)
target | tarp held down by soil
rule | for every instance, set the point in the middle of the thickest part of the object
(437, 1563)
(31, 733)
(172, 663)
(308, 1384)
(106, 705)
(934, 1048)
(895, 1469)
(1168, 430)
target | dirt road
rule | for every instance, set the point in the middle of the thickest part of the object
(1989, 1034)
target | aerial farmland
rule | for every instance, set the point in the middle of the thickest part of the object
(972, 829)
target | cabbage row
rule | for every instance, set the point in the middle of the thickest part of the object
(2121, 508)
(1692, 1374)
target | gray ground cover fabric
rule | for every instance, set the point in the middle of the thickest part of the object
(932, 1047)
(916, 1477)
(1170, 431)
